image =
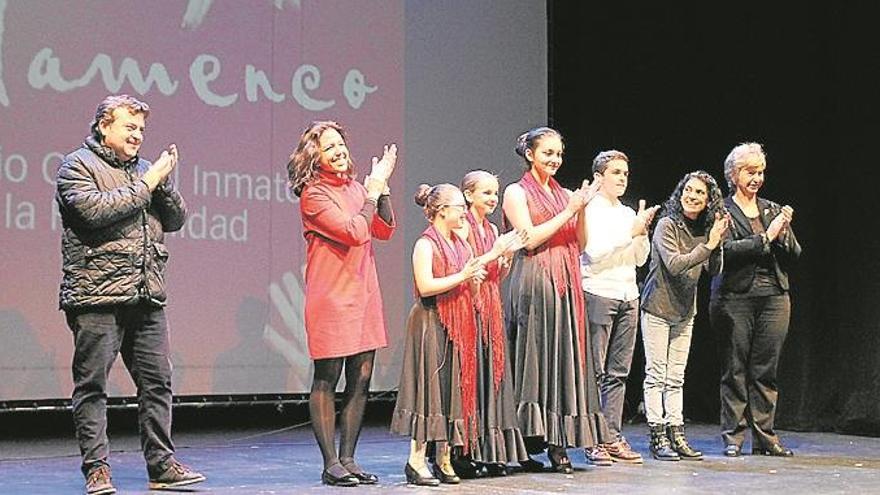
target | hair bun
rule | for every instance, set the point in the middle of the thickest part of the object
(422, 193)
(522, 144)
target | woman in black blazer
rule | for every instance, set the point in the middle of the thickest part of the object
(750, 305)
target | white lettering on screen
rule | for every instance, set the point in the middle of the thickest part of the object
(45, 70)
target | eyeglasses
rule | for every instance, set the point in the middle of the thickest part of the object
(459, 206)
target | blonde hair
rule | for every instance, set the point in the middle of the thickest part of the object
(471, 179)
(741, 155)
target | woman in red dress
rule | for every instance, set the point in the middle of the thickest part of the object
(343, 304)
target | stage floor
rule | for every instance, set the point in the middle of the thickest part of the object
(286, 461)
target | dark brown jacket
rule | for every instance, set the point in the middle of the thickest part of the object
(678, 258)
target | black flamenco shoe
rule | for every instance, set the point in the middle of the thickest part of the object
(465, 468)
(531, 466)
(559, 460)
(362, 476)
(774, 449)
(414, 478)
(338, 477)
(497, 469)
(447, 479)
(732, 450)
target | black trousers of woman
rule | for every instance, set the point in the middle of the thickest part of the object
(752, 332)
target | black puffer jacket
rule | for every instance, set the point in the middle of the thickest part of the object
(112, 245)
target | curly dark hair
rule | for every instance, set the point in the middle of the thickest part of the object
(714, 201)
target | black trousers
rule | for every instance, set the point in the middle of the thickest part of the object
(751, 333)
(140, 334)
(613, 325)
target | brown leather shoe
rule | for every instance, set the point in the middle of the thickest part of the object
(620, 451)
(99, 481)
(175, 475)
(598, 456)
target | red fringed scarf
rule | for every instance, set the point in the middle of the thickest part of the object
(488, 302)
(457, 316)
(559, 254)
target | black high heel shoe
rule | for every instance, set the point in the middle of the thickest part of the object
(448, 479)
(362, 476)
(338, 476)
(465, 468)
(531, 466)
(497, 469)
(559, 460)
(774, 449)
(414, 478)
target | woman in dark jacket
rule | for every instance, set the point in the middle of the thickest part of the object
(750, 305)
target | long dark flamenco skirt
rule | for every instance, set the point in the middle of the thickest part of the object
(428, 407)
(501, 441)
(554, 382)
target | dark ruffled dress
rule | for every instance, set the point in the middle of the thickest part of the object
(501, 441)
(436, 398)
(554, 382)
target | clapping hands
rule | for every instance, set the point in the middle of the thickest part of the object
(581, 197)
(474, 271)
(643, 219)
(510, 242)
(718, 230)
(161, 168)
(382, 168)
(780, 222)
(377, 182)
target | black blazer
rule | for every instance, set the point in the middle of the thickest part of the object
(744, 248)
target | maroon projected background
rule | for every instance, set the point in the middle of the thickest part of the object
(232, 84)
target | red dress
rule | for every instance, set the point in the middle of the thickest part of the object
(343, 304)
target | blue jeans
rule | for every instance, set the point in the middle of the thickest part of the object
(140, 334)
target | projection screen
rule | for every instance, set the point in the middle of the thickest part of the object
(233, 84)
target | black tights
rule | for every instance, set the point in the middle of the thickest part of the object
(322, 406)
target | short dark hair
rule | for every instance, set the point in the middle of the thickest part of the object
(600, 163)
(104, 113)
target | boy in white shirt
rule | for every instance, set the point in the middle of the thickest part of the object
(617, 243)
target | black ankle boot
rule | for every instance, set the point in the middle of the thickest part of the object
(680, 444)
(660, 447)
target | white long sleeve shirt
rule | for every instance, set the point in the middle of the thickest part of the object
(609, 261)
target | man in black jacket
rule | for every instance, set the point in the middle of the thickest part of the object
(115, 208)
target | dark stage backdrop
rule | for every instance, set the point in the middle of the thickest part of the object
(676, 87)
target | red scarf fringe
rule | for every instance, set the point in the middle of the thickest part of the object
(559, 255)
(456, 312)
(488, 302)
